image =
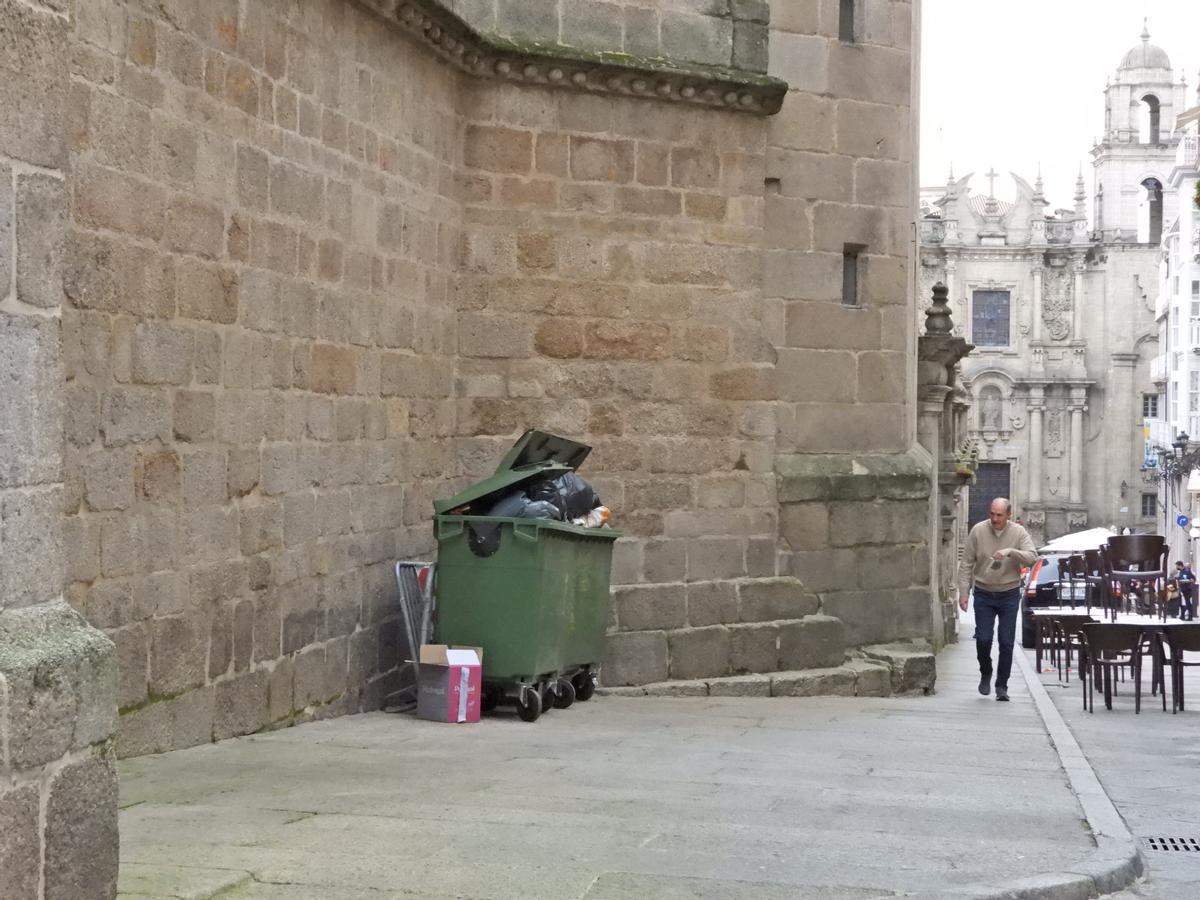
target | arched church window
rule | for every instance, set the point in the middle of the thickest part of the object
(1151, 118)
(1150, 219)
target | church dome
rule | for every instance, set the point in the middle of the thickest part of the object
(1146, 55)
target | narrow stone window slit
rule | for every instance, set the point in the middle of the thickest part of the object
(851, 260)
(846, 21)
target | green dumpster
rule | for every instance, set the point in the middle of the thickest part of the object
(533, 593)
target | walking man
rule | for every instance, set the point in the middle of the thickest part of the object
(1187, 590)
(995, 551)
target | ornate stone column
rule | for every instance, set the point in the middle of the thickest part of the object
(1077, 267)
(939, 353)
(1035, 326)
(1036, 408)
(1077, 406)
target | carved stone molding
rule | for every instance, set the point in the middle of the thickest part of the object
(556, 66)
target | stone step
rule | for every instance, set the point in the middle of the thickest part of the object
(877, 671)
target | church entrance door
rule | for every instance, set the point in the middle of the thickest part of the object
(992, 479)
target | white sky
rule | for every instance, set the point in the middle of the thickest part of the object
(1011, 83)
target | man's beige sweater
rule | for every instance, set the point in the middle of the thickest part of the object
(977, 563)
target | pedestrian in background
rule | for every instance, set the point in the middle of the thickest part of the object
(1187, 590)
(995, 552)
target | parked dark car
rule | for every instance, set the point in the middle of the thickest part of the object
(1041, 588)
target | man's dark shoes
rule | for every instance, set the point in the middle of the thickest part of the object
(1001, 693)
(985, 684)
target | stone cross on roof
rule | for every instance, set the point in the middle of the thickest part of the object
(991, 177)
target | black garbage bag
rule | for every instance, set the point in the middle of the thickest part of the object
(517, 505)
(570, 494)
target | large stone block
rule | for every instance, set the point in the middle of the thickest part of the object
(837, 682)
(802, 60)
(241, 705)
(914, 668)
(813, 642)
(31, 418)
(650, 607)
(874, 678)
(638, 657)
(7, 212)
(61, 683)
(35, 80)
(81, 842)
(770, 599)
(178, 653)
(754, 648)
(699, 652)
(884, 615)
(712, 603)
(31, 546)
(701, 39)
(41, 205)
(20, 848)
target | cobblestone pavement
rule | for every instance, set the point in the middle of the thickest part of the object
(619, 797)
(1149, 765)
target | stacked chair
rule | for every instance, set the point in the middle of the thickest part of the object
(1136, 557)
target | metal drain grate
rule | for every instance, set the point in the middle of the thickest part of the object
(1174, 844)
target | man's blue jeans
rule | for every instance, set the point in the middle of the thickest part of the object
(990, 606)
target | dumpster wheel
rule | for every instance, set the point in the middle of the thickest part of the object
(585, 685)
(529, 705)
(564, 694)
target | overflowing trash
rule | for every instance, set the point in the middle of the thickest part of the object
(539, 482)
(567, 498)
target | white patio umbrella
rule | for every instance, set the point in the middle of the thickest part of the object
(1078, 541)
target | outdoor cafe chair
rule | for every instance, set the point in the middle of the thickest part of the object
(1105, 649)
(1071, 572)
(1135, 557)
(1180, 639)
(1099, 589)
(1067, 640)
(1058, 639)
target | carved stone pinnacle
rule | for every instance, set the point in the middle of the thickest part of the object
(937, 316)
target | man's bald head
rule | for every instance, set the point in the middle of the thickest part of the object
(999, 512)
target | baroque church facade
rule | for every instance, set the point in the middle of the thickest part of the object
(1061, 313)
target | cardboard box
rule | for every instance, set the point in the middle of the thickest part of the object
(451, 683)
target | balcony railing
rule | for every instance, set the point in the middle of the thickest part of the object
(1161, 433)
(1194, 334)
(1188, 154)
(1158, 368)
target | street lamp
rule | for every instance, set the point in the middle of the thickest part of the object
(1180, 444)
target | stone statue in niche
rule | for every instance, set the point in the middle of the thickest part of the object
(1056, 304)
(1054, 432)
(989, 411)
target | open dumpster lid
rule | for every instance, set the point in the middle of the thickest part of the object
(534, 456)
(537, 447)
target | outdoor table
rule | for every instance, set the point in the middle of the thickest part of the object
(1065, 622)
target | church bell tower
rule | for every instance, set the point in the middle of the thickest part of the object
(1135, 156)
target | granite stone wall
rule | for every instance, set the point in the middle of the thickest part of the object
(259, 353)
(322, 262)
(58, 791)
